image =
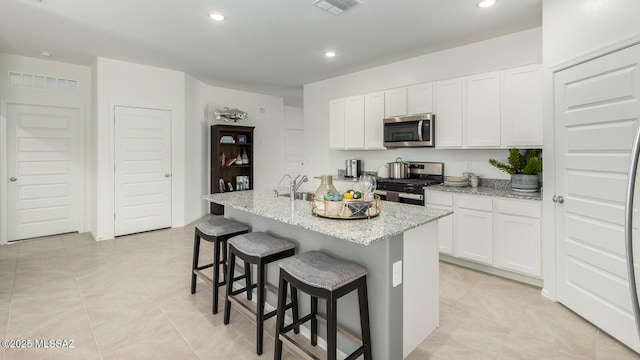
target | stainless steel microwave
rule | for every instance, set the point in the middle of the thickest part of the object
(409, 131)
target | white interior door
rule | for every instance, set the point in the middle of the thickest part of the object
(294, 151)
(142, 169)
(45, 170)
(596, 114)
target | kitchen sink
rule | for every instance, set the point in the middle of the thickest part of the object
(300, 195)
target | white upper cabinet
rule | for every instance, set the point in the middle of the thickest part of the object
(373, 116)
(448, 111)
(482, 120)
(395, 102)
(354, 122)
(522, 106)
(420, 99)
(336, 124)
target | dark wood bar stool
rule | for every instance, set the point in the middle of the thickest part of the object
(217, 231)
(257, 248)
(322, 276)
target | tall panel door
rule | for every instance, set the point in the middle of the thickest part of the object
(354, 122)
(482, 120)
(294, 151)
(373, 116)
(142, 169)
(45, 170)
(449, 111)
(596, 115)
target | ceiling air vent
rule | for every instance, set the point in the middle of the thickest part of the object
(336, 7)
(31, 81)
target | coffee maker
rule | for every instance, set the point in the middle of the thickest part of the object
(353, 167)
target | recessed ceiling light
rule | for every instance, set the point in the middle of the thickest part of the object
(216, 16)
(486, 3)
(330, 54)
(46, 53)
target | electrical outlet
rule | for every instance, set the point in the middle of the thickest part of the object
(397, 273)
(468, 167)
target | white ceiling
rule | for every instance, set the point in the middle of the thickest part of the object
(264, 46)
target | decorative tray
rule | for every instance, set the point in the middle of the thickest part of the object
(346, 209)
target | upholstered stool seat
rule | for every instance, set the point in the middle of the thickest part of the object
(257, 248)
(217, 231)
(322, 276)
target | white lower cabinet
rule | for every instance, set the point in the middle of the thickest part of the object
(442, 201)
(501, 233)
(517, 236)
(473, 228)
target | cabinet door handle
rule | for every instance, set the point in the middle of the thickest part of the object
(558, 199)
(167, 175)
(13, 178)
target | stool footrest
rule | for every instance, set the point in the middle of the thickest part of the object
(205, 277)
(252, 312)
(359, 351)
(204, 267)
(244, 289)
(297, 348)
(344, 331)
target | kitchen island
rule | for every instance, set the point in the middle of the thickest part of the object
(402, 238)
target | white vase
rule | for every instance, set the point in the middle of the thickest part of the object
(245, 158)
(239, 159)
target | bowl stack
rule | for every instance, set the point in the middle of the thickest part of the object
(456, 181)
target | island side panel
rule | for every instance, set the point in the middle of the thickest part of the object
(420, 285)
(385, 301)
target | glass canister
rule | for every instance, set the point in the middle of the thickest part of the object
(326, 186)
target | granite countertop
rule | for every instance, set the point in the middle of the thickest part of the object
(394, 218)
(488, 191)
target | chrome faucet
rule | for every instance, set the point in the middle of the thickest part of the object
(278, 187)
(297, 184)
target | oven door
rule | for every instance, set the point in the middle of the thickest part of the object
(405, 198)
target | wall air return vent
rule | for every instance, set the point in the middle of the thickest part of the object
(31, 81)
(336, 7)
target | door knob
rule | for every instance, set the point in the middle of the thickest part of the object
(167, 175)
(13, 178)
(558, 199)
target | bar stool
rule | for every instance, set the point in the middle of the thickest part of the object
(217, 231)
(322, 276)
(257, 248)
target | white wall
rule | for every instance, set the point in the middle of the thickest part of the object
(128, 84)
(572, 28)
(573, 31)
(498, 53)
(80, 100)
(196, 149)
(268, 148)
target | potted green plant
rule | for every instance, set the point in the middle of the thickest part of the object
(523, 168)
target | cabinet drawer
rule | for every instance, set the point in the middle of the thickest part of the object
(518, 208)
(438, 198)
(474, 203)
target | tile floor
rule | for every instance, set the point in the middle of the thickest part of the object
(129, 298)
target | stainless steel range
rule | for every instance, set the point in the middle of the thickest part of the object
(411, 190)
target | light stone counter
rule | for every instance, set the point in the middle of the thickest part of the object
(488, 191)
(394, 218)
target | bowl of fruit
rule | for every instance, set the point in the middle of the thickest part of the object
(347, 205)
